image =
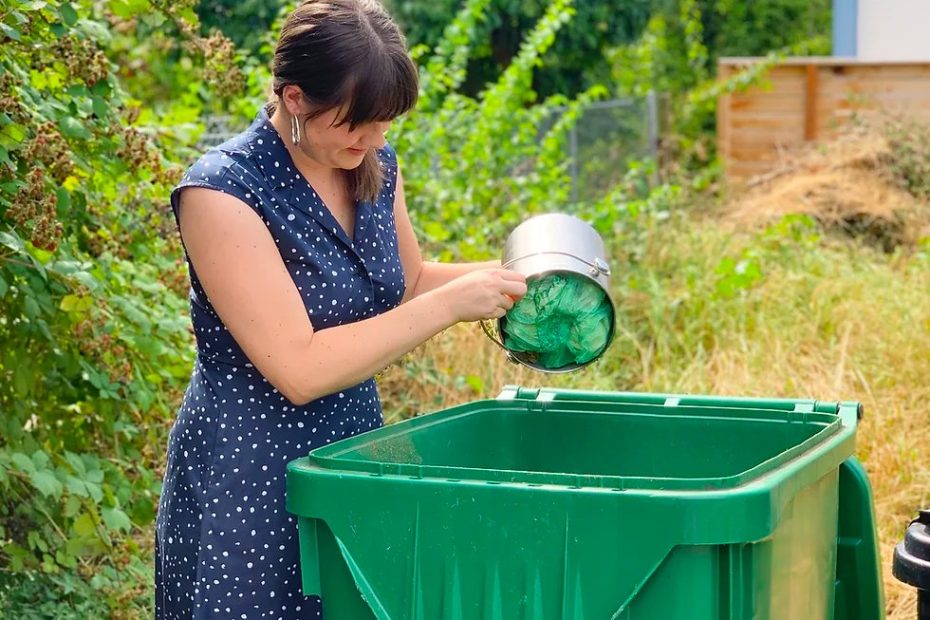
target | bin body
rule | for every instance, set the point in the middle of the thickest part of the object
(573, 505)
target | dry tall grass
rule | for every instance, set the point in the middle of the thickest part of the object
(871, 182)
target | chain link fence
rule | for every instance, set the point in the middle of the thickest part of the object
(606, 138)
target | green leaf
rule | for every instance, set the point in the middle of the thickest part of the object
(96, 493)
(84, 526)
(109, 499)
(97, 31)
(23, 462)
(102, 88)
(41, 256)
(21, 380)
(66, 560)
(69, 302)
(31, 307)
(143, 511)
(43, 327)
(72, 506)
(64, 200)
(77, 487)
(12, 187)
(128, 8)
(95, 475)
(73, 128)
(75, 546)
(100, 107)
(11, 241)
(436, 232)
(10, 31)
(116, 519)
(18, 557)
(46, 483)
(65, 267)
(40, 459)
(476, 383)
(4, 287)
(189, 14)
(88, 280)
(13, 134)
(76, 463)
(78, 91)
(68, 15)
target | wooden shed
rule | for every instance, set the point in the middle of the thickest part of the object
(802, 100)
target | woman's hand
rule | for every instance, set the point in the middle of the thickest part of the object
(484, 294)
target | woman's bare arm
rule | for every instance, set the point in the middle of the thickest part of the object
(249, 286)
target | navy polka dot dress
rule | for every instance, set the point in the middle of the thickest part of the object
(225, 546)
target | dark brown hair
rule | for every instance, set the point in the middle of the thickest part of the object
(348, 53)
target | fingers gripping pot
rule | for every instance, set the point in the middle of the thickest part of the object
(566, 319)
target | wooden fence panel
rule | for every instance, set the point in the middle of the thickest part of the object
(803, 100)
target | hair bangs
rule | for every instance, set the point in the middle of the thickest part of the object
(382, 90)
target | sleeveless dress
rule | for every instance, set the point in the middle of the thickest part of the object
(225, 548)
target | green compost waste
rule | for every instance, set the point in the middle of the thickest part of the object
(563, 319)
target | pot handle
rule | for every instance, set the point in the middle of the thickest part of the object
(491, 337)
(495, 340)
(597, 266)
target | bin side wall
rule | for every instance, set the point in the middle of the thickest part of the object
(533, 556)
(789, 575)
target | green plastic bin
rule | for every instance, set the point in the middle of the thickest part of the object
(546, 504)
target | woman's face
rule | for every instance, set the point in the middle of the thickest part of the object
(336, 146)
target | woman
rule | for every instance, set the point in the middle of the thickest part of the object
(306, 280)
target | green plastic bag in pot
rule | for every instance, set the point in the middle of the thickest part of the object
(564, 319)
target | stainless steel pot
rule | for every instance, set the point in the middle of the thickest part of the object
(554, 243)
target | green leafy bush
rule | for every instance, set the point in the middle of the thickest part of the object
(474, 167)
(94, 339)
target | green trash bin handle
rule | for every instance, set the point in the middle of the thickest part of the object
(547, 395)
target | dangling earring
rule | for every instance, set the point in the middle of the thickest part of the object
(295, 131)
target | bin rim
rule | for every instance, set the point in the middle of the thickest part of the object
(834, 429)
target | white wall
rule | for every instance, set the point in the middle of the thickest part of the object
(894, 30)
